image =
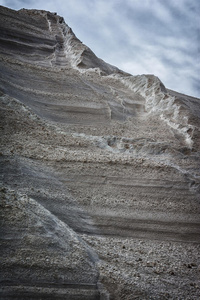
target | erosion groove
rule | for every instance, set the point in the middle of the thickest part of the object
(100, 182)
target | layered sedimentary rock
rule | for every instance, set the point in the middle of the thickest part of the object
(99, 171)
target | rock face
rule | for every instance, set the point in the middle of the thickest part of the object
(99, 169)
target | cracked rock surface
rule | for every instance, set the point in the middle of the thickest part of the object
(100, 181)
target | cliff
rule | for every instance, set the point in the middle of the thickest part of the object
(99, 172)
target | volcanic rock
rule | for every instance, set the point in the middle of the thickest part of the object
(100, 181)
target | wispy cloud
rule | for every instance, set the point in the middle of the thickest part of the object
(149, 36)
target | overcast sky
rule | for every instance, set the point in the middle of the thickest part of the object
(160, 37)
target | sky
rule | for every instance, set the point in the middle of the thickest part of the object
(160, 37)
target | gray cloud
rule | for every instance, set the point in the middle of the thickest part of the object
(149, 36)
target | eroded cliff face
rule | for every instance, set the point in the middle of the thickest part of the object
(100, 172)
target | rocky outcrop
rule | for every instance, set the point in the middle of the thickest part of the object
(99, 172)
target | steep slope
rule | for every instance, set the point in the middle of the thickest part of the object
(100, 172)
(35, 241)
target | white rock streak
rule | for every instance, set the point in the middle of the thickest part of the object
(159, 102)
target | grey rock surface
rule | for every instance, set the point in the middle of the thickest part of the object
(100, 181)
